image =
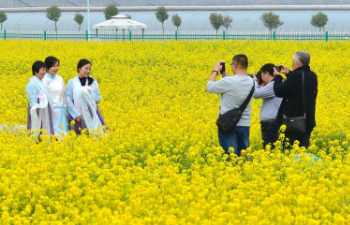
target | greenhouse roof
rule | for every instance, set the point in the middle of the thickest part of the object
(198, 21)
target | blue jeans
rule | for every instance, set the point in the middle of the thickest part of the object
(238, 139)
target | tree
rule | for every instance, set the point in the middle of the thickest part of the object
(53, 13)
(271, 20)
(110, 10)
(216, 21)
(227, 22)
(162, 15)
(79, 19)
(319, 20)
(176, 19)
(3, 18)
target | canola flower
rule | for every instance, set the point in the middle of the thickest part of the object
(161, 162)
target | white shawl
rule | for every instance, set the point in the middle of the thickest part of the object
(86, 105)
(41, 119)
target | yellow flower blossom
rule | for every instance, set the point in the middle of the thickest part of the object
(161, 162)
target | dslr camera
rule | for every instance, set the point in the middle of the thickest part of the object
(279, 68)
(258, 77)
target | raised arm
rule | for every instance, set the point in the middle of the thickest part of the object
(265, 91)
(282, 88)
(218, 87)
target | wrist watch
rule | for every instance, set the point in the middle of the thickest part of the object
(215, 71)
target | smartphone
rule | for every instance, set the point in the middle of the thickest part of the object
(278, 68)
(222, 67)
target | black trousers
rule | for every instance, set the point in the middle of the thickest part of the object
(269, 133)
(303, 138)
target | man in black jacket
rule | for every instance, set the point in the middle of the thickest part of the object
(291, 92)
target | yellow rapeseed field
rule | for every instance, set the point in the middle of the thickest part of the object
(161, 162)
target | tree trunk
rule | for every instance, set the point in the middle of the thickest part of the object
(178, 31)
(217, 31)
(163, 28)
(1, 27)
(79, 27)
(55, 26)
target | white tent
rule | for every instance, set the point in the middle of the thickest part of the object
(120, 22)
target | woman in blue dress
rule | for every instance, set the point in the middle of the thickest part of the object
(40, 110)
(55, 86)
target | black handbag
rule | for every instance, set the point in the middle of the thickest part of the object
(227, 121)
(296, 125)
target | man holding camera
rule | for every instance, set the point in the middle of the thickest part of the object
(234, 91)
(299, 93)
(270, 105)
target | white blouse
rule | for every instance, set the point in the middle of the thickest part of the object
(56, 89)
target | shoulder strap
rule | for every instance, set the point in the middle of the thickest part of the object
(246, 101)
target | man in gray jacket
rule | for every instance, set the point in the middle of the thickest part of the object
(270, 104)
(234, 90)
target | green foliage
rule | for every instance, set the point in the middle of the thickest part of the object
(3, 18)
(162, 15)
(319, 20)
(271, 20)
(176, 19)
(79, 19)
(227, 22)
(216, 20)
(53, 13)
(110, 10)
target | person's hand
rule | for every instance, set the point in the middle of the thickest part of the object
(284, 69)
(225, 74)
(259, 82)
(275, 72)
(78, 119)
(217, 66)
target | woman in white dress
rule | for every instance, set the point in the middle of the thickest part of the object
(83, 95)
(40, 110)
(55, 86)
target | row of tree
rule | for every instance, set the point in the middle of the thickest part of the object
(269, 19)
(54, 13)
(272, 21)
